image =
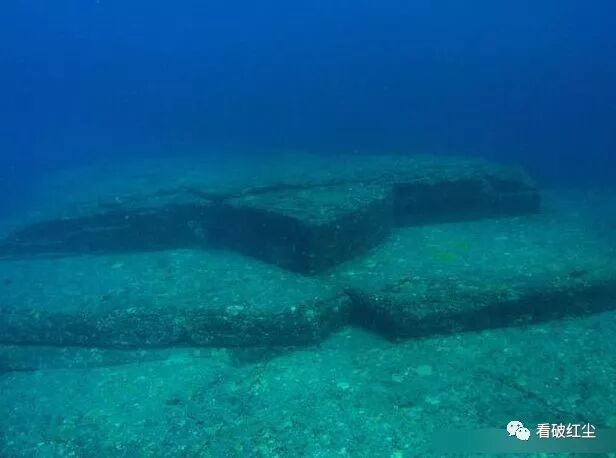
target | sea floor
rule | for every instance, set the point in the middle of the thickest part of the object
(355, 394)
(355, 390)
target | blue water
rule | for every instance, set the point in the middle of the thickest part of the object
(413, 304)
(525, 82)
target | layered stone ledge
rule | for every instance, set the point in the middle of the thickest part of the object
(476, 275)
(424, 280)
(307, 217)
(306, 230)
(183, 297)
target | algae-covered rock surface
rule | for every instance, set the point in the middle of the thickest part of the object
(419, 281)
(162, 298)
(353, 395)
(308, 309)
(307, 230)
(452, 277)
(303, 213)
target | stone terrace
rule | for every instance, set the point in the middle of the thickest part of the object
(164, 254)
(307, 215)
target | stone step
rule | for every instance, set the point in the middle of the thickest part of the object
(307, 217)
(423, 280)
(306, 230)
(466, 276)
(181, 297)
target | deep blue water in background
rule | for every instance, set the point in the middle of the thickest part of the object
(526, 82)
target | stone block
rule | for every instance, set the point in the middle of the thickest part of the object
(181, 297)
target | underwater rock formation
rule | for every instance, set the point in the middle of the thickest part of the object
(307, 218)
(183, 297)
(423, 280)
(481, 274)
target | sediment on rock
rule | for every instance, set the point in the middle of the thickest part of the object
(183, 297)
(307, 219)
